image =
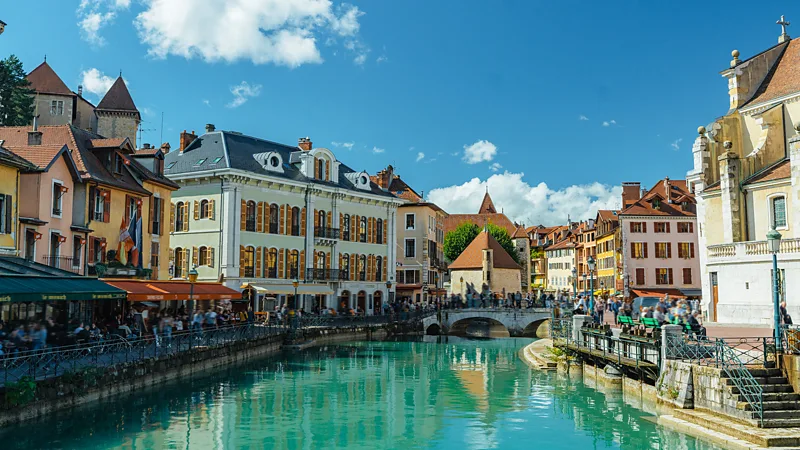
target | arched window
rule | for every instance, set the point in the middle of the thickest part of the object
(294, 264)
(249, 261)
(180, 215)
(205, 211)
(250, 216)
(273, 218)
(272, 263)
(295, 221)
(378, 268)
(379, 231)
(362, 230)
(202, 258)
(180, 264)
(320, 169)
(346, 227)
(777, 212)
(362, 268)
(321, 222)
(344, 269)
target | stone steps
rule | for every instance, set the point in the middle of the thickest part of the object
(763, 380)
(768, 389)
(779, 405)
(764, 437)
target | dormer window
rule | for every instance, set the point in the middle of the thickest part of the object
(656, 203)
(271, 161)
(118, 163)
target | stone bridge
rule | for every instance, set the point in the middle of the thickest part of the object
(497, 322)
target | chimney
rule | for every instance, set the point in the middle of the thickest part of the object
(210, 127)
(630, 193)
(304, 143)
(35, 136)
(165, 147)
(666, 190)
(186, 140)
(146, 146)
(80, 91)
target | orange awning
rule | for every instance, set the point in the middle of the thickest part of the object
(148, 290)
(673, 293)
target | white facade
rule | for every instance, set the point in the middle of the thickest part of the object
(560, 263)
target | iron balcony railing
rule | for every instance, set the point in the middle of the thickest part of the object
(327, 233)
(344, 275)
(322, 274)
(67, 263)
(250, 225)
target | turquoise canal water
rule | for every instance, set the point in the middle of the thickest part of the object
(459, 394)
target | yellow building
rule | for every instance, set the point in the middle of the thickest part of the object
(10, 167)
(607, 225)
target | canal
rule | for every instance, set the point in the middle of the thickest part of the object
(423, 394)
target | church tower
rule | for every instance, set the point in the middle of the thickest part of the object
(117, 116)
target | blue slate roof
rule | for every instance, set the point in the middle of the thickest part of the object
(226, 149)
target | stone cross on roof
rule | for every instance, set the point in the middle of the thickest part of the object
(783, 23)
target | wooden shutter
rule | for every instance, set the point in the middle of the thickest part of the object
(260, 217)
(691, 227)
(341, 224)
(316, 218)
(669, 250)
(385, 265)
(691, 250)
(107, 207)
(353, 266)
(644, 227)
(369, 229)
(328, 260)
(210, 257)
(329, 216)
(385, 231)
(258, 273)
(669, 274)
(196, 210)
(631, 227)
(633, 250)
(341, 260)
(328, 171)
(161, 226)
(640, 277)
(211, 210)
(171, 217)
(281, 274)
(195, 257)
(185, 262)
(355, 236)
(92, 198)
(667, 227)
(644, 248)
(151, 211)
(303, 221)
(243, 217)
(90, 259)
(241, 261)
(302, 264)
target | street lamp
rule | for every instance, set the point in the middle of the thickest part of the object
(462, 286)
(192, 281)
(575, 282)
(774, 240)
(590, 262)
(295, 283)
(388, 293)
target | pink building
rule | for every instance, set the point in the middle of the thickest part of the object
(659, 240)
(46, 208)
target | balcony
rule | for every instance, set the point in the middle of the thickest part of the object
(250, 225)
(67, 263)
(751, 250)
(326, 236)
(322, 274)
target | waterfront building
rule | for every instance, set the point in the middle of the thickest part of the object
(421, 269)
(746, 177)
(561, 260)
(585, 248)
(10, 167)
(609, 255)
(485, 264)
(659, 240)
(537, 238)
(261, 215)
(118, 207)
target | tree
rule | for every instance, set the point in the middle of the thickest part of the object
(16, 96)
(456, 241)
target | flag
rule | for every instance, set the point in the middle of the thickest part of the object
(124, 235)
(136, 247)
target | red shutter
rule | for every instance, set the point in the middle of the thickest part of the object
(631, 227)
(644, 227)
(667, 227)
(92, 196)
(107, 207)
(691, 250)
(640, 277)
(91, 250)
(669, 273)
(691, 227)
(669, 248)
(644, 246)
(633, 250)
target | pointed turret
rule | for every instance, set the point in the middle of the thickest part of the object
(44, 80)
(487, 206)
(118, 99)
(117, 116)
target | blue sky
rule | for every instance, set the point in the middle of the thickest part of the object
(457, 95)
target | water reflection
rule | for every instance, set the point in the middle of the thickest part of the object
(439, 393)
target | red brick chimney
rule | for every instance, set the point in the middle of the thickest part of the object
(304, 144)
(186, 139)
(384, 177)
(165, 147)
(631, 192)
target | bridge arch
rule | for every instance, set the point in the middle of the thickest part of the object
(433, 329)
(479, 327)
(538, 328)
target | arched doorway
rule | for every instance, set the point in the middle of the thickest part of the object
(362, 300)
(377, 303)
(344, 301)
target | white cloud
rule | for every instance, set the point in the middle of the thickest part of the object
(93, 15)
(360, 59)
(281, 32)
(382, 59)
(147, 111)
(676, 144)
(420, 156)
(96, 82)
(206, 102)
(377, 150)
(582, 117)
(242, 92)
(608, 123)
(479, 151)
(523, 202)
(347, 145)
(494, 167)
(455, 153)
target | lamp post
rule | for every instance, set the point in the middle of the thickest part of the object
(590, 262)
(295, 283)
(462, 286)
(575, 282)
(192, 281)
(388, 292)
(774, 240)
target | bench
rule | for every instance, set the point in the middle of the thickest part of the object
(650, 323)
(625, 320)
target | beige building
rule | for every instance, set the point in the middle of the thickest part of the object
(484, 264)
(56, 104)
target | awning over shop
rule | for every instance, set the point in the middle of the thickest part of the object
(148, 290)
(33, 288)
(674, 293)
(692, 292)
(302, 289)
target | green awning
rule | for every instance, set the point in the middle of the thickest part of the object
(38, 288)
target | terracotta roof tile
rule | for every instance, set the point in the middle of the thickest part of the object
(106, 143)
(487, 205)
(608, 214)
(472, 256)
(783, 79)
(44, 80)
(454, 220)
(147, 151)
(564, 243)
(39, 155)
(118, 98)
(779, 171)
(644, 206)
(519, 233)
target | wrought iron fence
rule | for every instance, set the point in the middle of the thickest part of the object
(561, 328)
(53, 362)
(791, 339)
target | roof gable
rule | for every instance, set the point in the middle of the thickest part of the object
(44, 80)
(118, 98)
(472, 256)
(783, 78)
(487, 206)
(670, 192)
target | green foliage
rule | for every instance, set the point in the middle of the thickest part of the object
(21, 393)
(16, 97)
(536, 253)
(456, 241)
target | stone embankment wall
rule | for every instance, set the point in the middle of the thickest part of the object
(67, 392)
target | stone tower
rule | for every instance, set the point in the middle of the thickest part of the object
(117, 116)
